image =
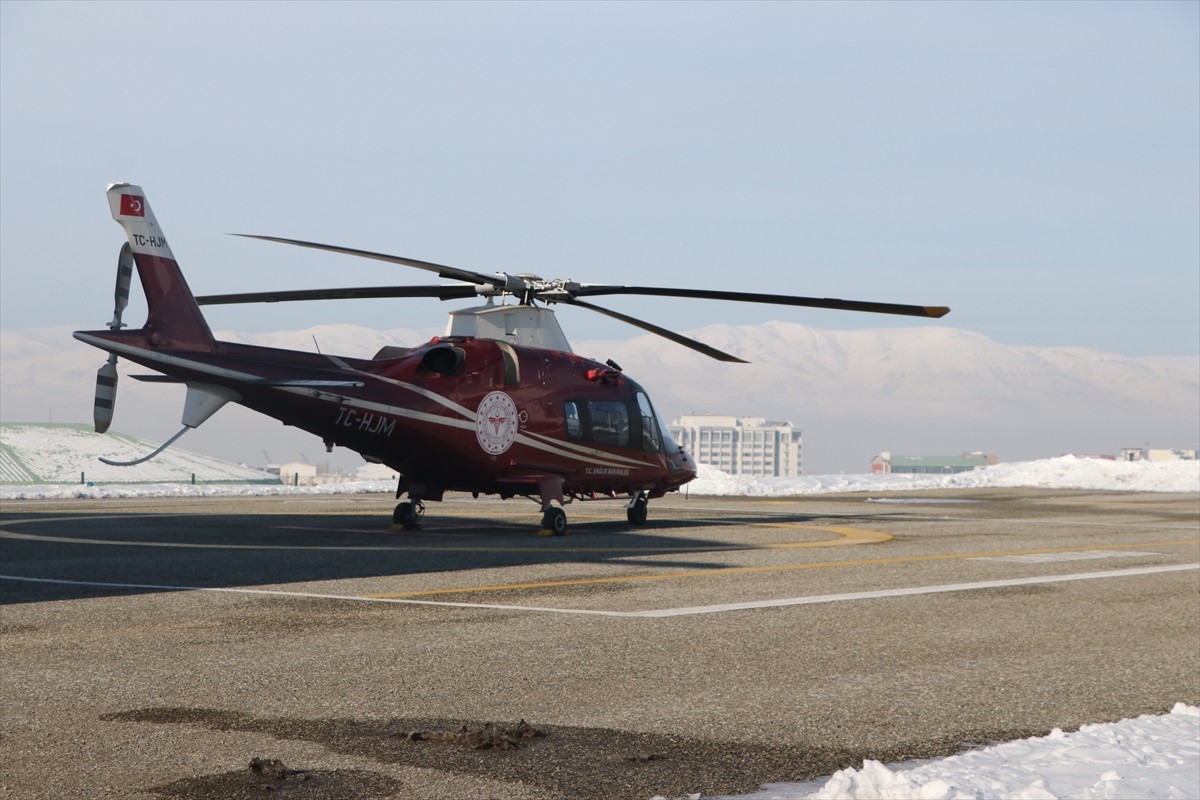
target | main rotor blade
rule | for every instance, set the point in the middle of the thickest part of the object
(776, 299)
(365, 292)
(699, 347)
(453, 273)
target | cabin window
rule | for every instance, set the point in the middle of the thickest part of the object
(574, 423)
(610, 422)
(603, 422)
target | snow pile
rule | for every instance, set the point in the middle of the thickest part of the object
(1067, 472)
(1089, 473)
(1150, 757)
(128, 490)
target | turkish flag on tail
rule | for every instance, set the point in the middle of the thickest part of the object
(133, 205)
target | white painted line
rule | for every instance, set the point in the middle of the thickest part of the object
(665, 612)
(950, 587)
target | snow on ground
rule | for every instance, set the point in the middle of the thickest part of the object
(1067, 472)
(47, 453)
(1151, 757)
(1148, 758)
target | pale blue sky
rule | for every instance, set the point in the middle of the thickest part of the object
(1035, 166)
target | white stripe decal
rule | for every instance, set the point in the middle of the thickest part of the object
(588, 457)
(570, 449)
(584, 455)
(534, 440)
(163, 358)
(434, 396)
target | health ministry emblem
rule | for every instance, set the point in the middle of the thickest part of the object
(496, 423)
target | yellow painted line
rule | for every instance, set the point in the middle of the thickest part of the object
(847, 536)
(716, 571)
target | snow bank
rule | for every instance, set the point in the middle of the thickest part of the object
(127, 490)
(1067, 472)
(1151, 757)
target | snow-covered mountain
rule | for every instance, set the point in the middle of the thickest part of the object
(920, 391)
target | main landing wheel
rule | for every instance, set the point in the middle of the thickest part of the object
(408, 515)
(554, 521)
(636, 513)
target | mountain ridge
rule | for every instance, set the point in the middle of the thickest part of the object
(919, 390)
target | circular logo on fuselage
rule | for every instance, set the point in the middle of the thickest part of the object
(496, 423)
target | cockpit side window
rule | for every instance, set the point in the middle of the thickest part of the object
(653, 428)
(651, 435)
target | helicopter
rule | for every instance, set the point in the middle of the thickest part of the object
(498, 405)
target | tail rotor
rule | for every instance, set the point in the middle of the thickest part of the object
(106, 378)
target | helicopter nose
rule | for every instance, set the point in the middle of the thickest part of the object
(687, 467)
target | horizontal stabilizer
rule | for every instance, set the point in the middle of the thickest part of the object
(306, 383)
(294, 382)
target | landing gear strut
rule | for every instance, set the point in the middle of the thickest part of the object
(408, 515)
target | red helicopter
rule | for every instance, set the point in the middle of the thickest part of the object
(498, 405)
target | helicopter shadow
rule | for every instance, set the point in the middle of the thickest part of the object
(76, 556)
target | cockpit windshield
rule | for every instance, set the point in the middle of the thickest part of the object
(619, 422)
(655, 436)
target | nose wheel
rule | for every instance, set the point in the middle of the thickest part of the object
(407, 515)
(637, 510)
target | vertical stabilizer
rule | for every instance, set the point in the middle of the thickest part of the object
(174, 319)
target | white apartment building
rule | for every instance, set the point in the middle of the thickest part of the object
(743, 445)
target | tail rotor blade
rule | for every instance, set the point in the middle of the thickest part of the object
(106, 394)
(121, 294)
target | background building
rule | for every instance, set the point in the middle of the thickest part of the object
(1150, 454)
(885, 463)
(298, 473)
(743, 445)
